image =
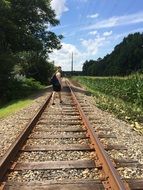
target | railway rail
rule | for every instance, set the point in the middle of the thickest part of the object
(59, 149)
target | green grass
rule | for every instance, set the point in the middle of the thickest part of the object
(14, 106)
(18, 95)
(122, 96)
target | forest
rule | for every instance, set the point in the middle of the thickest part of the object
(25, 43)
(125, 59)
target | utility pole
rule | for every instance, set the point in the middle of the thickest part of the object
(72, 65)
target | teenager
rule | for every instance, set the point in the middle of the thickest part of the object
(57, 84)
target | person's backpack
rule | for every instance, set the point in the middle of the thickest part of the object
(54, 80)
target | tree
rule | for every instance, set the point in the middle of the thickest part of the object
(126, 58)
(24, 30)
(32, 18)
(7, 58)
(34, 65)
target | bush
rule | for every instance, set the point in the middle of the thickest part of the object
(21, 88)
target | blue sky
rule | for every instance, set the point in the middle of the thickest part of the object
(92, 28)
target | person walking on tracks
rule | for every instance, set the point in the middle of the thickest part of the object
(56, 81)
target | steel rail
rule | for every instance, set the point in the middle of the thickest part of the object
(7, 159)
(111, 179)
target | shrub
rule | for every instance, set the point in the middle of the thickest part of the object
(20, 88)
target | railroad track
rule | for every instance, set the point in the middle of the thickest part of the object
(59, 149)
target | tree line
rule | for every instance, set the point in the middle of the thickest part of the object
(126, 58)
(26, 41)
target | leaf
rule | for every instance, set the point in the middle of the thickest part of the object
(137, 125)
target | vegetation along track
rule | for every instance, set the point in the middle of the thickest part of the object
(59, 149)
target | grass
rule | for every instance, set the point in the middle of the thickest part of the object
(122, 96)
(19, 95)
(14, 106)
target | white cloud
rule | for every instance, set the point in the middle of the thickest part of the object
(97, 46)
(93, 32)
(125, 34)
(92, 45)
(88, 49)
(59, 7)
(107, 33)
(93, 16)
(103, 42)
(117, 21)
(63, 56)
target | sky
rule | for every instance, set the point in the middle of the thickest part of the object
(92, 28)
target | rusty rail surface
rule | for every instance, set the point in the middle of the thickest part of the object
(6, 161)
(111, 177)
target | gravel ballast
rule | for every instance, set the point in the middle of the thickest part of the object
(11, 126)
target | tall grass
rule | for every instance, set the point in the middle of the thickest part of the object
(121, 95)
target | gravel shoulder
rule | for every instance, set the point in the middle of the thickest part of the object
(126, 136)
(11, 126)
